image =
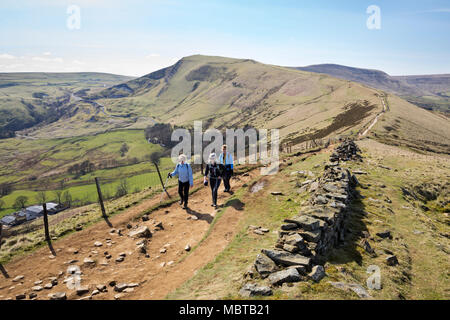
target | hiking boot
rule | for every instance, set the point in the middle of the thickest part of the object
(181, 202)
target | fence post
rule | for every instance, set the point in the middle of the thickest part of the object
(100, 197)
(47, 234)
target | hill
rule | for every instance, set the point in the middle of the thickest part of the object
(428, 91)
(27, 99)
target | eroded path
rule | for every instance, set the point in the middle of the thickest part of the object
(167, 265)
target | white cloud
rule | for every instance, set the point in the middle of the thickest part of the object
(78, 62)
(48, 53)
(7, 56)
(41, 59)
(152, 55)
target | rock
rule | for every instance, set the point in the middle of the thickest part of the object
(118, 296)
(251, 290)
(122, 254)
(287, 275)
(276, 193)
(159, 226)
(112, 283)
(317, 273)
(37, 288)
(306, 222)
(356, 288)
(142, 232)
(120, 259)
(366, 246)
(133, 285)
(18, 278)
(187, 248)
(97, 244)
(32, 295)
(101, 287)
(95, 292)
(163, 250)
(320, 200)
(57, 296)
(392, 260)
(145, 218)
(170, 263)
(258, 232)
(129, 226)
(21, 296)
(264, 265)
(289, 226)
(48, 286)
(287, 259)
(82, 290)
(128, 290)
(311, 236)
(301, 269)
(38, 282)
(142, 248)
(88, 262)
(120, 287)
(384, 234)
(78, 228)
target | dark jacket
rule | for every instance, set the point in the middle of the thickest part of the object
(215, 170)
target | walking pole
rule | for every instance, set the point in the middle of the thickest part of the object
(164, 190)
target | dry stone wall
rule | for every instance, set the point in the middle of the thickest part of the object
(305, 239)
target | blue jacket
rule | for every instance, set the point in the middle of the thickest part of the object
(184, 172)
(228, 160)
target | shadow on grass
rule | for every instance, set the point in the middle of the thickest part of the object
(235, 203)
(354, 226)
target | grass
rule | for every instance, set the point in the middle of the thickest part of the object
(422, 272)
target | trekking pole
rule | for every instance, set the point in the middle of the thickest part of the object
(164, 190)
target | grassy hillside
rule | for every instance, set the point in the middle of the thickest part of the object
(427, 91)
(27, 99)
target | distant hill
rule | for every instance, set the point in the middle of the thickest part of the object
(431, 92)
(239, 93)
(27, 99)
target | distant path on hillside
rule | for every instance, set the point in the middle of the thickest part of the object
(374, 122)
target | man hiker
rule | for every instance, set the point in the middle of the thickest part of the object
(226, 159)
(214, 171)
(185, 179)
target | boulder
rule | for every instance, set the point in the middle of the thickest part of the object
(82, 290)
(264, 265)
(142, 232)
(57, 296)
(384, 235)
(286, 258)
(120, 287)
(391, 260)
(317, 273)
(311, 236)
(306, 222)
(88, 262)
(287, 275)
(21, 296)
(252, 289)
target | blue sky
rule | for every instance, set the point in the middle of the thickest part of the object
(136, 37)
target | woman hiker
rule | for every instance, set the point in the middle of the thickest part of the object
(214, 171)
(185, 179)
(226, 159)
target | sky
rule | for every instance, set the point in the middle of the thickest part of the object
(136, 37)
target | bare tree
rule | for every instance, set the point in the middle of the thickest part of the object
(2, 204)
(67, 199)
(58, 195)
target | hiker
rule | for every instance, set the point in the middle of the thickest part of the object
(215, 172)
(185, 179)
(226, 159)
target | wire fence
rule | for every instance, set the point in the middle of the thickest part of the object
(81, 199)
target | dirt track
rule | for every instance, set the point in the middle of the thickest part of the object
(156, 275)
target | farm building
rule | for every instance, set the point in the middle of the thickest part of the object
(29, 213)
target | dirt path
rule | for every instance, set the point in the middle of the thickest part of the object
(161, 272)
(374, 122)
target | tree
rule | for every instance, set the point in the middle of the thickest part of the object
(58, 195)
(5, 189)
(67, 199)
(2, 204)
(124, 149)
(122, 188)
(20, 202)
(41, 197)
